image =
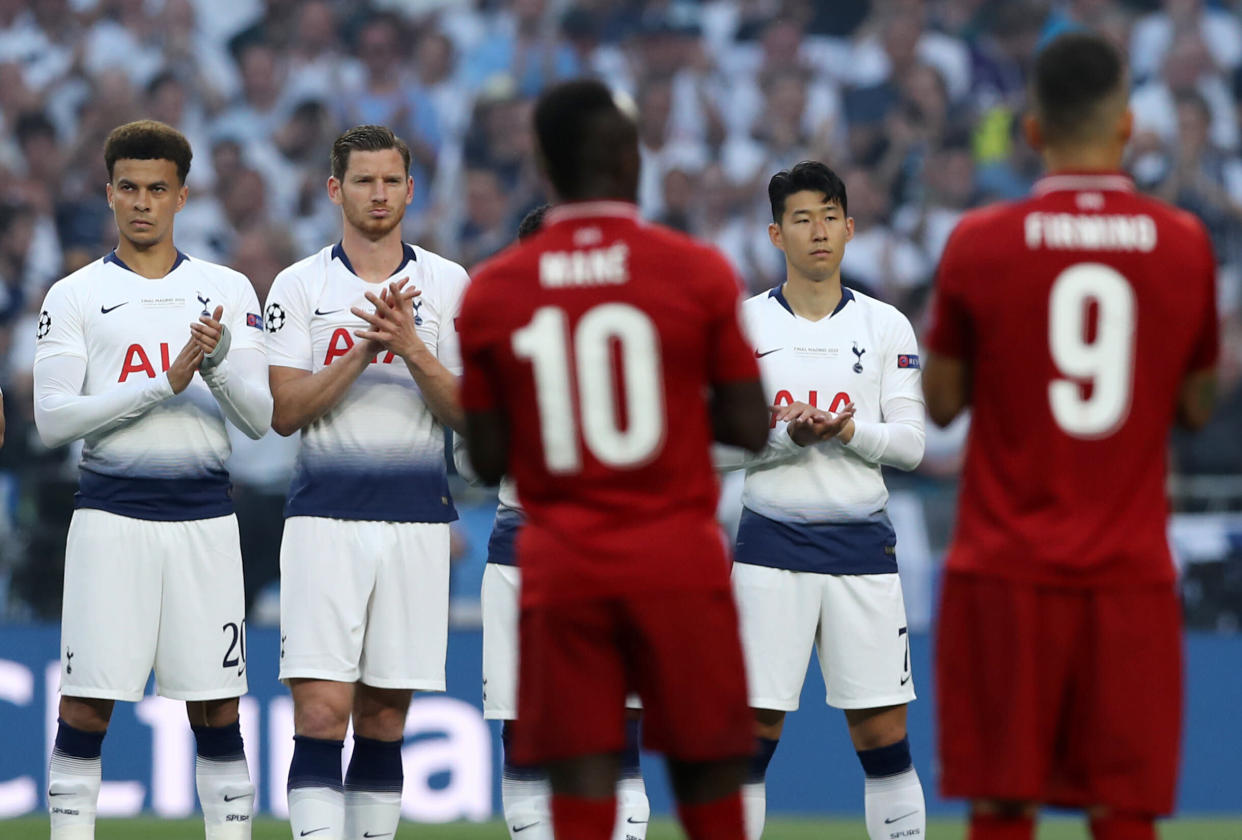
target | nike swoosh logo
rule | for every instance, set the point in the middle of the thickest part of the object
(104, 310)
(905, 680)
(902, 817)
(518, 828)
(314, 831)
(633, 821)
(369, 834)
(759, 355)
(238, 796)
(329, 312)
(58, 792)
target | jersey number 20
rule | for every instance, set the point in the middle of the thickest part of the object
(581, 364)
(1106, 361)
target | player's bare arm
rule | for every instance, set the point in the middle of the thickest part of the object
(1195, 404)
(740, 414)
(393, 327)
(300, 397)
(487, 442)
(946, 387)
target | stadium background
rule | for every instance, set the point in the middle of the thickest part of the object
(915, 102)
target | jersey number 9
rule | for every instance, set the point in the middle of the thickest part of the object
(1105, 361)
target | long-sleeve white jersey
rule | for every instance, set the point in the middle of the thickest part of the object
(105, 340)
(822, 508)
(378, 454)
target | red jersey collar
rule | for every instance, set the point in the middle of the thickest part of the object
(1079, 181)
(592, 210)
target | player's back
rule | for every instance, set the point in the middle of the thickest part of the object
(606, 334)
(1080, 312)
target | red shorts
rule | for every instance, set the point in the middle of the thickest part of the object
(679, 650)
(1067, 696)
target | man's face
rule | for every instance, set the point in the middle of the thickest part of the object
(374, 191)
(812, 233)
(144, 196)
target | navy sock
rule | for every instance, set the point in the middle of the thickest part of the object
(630, 768)
(886, 761)
(375, 765)
(316, 763)
(222, 743)
(78, 743)
(764, 749)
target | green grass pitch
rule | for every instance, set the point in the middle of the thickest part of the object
(35, 828)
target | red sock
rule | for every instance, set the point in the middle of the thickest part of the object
(1123, 827)
(1001, 827)
(720, 819)
(579, 818)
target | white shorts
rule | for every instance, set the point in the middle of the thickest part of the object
(142, 594)
(364, 601)
(857, 622)
(499, 602)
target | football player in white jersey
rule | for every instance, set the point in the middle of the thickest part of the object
(815, 562)
(153, 569)
(364, 362)
(525, 794)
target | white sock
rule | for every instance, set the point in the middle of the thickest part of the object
(633, 809)
(754, 808)
(371, 813)
(895, 808)
(317, 812)
(73, 795)
(527, 803)
(226, 795)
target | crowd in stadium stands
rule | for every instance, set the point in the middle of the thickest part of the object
(916, 102)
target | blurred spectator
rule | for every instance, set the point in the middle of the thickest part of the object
(1187, 68)
(523, 42)
(1155, 35)
(488, 226)
(879, 260)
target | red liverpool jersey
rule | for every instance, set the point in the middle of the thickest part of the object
(1080, 311)
(598, 340)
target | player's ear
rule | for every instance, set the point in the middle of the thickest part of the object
(182, 195)
(1033, 132)
(1125, 126)
(849, 228)
(409, 188)
(334, 189)
(774, 234)
(108, 193)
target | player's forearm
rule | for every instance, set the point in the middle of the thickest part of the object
(896, 442)
(63, 414)
(439, 388)
(240, 387)
(780, 448)
(296, 403)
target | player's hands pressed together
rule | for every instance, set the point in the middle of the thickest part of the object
(182, 369)
(809, 425)
(391, 325)
(206, 333)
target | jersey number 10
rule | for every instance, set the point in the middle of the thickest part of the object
(581, 365)
(1106, 361)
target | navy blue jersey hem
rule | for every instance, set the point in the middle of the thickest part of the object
(155, 499)
(500, 545)
(438, 516)
(866, 547)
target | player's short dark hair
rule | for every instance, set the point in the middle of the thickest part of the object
(532, 221)
(807, 175)
(583, 135)
(1074, 76)
(148, 140)
(365, 138)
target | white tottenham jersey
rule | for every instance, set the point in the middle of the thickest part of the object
(168, 461)
(379, 453)
(824, 509)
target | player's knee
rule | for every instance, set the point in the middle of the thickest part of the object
(769, 723)
(1004, 808)
(86, 713)
(212, 712)
(380, 713)
(318, 718)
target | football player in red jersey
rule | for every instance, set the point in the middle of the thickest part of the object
(1077, 325)
(601, 357)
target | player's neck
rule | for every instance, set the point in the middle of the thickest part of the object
(374, 260)
(153, 261)
(1082, 159)
(811, 299)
